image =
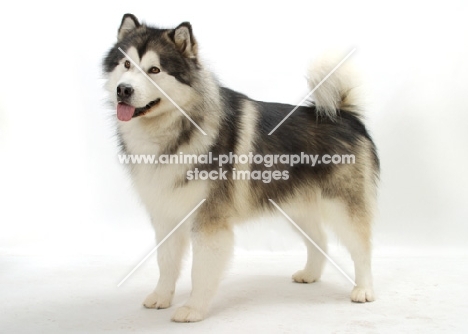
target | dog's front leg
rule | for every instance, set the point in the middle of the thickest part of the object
(170, 255)
(212, 248)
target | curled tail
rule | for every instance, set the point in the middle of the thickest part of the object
(341, 90)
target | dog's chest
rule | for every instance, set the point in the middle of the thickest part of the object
(161, 187)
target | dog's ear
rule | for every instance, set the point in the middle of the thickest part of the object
(184, 41)
(129, 22)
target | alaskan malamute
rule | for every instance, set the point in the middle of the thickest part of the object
(192, 114)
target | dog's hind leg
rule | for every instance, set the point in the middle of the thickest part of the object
(212, 248)
(359, 245)
(354, 231)
(312, 226)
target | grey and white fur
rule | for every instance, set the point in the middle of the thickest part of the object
(342, 196)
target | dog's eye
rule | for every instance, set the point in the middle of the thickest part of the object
(127, 64)
(154, 70)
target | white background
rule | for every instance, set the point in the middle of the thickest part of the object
(63, 192)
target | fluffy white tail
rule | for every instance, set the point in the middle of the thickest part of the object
(339, 91)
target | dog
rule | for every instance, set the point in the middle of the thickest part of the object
(168, 103)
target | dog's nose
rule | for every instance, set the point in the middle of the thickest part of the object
(124, 91)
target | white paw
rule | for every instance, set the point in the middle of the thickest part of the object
(302, 276)
(362, 295)
(187, 314)
(155, 300)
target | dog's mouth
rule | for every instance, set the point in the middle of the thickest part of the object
(126, 112)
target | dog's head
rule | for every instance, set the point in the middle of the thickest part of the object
(150, 70)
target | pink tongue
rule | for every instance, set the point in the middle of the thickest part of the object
(125, 112)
